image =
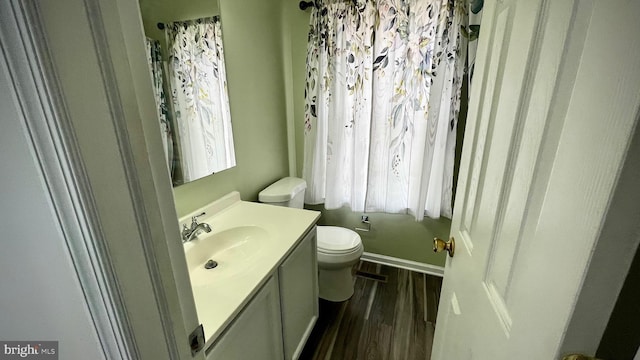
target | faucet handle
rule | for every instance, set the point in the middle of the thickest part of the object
(194, 219)
(185, 232)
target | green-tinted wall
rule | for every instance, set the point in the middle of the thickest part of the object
(395, 235)
(253, 47)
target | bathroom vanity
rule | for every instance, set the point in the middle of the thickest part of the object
(260, 299)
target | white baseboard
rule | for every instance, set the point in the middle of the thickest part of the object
(403, 264)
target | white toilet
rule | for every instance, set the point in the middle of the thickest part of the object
(338, 248)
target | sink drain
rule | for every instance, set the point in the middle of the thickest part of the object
(210, 264)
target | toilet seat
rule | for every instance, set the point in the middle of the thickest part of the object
(334, 240)
(354, 251)
(338, 248)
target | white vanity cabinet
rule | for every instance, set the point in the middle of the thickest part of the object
(277, 321)
(298, 276)
(256, 333)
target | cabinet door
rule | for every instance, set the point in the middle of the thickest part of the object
(256, 333)
(299, 295)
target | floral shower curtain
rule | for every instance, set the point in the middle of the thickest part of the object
(154, 58)
(200, 98)
(382, 92)
(444, 105)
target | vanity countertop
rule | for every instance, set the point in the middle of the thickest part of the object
(220, 300)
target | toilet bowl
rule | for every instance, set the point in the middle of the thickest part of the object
(338, 248)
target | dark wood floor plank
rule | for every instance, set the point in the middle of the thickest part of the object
(329, 321)
(403, 319)
(375, 345)
(375, 340)
(418, 334)
(383, 308)
(328, 331)
(395, 327)
(328, 343)
(346, 343)
(430, 331)
(433, 297)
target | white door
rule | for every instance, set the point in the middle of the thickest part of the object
(553, 108)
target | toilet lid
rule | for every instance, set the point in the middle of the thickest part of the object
(333, 239)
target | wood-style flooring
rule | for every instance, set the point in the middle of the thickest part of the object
(389, 317)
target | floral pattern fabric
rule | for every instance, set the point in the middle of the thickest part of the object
(199, 96)
(448, 74)
(381, 103)
(154, 58)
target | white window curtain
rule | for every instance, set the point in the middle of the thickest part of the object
(200, 98)
(381, 104)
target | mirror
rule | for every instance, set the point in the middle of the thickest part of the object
(186, 58)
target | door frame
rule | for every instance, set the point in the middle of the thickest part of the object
(612, 255)
(81, 80)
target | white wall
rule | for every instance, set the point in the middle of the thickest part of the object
(40, 294)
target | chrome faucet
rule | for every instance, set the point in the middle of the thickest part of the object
(188, 233)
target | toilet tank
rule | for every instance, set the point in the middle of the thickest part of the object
(287, 192)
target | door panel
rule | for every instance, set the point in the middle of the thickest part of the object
(511, 287)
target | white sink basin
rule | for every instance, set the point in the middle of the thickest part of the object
(232, 249)
(248, 240)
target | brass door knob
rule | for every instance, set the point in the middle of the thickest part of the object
(440, 245)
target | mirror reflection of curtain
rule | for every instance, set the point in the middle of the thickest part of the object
(200, 99)
(381, 104)
(154, 58)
